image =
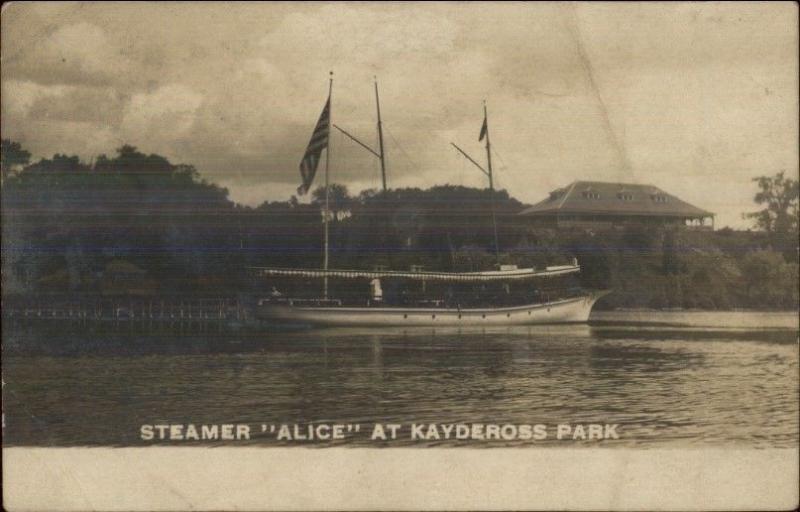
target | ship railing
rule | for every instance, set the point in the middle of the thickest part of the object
(299, 302)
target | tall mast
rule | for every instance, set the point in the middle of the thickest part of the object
(491, 182)
(485, 133)
(327, 194)
(379, 155)
(382, 156)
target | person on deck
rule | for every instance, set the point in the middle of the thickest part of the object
(376, 290)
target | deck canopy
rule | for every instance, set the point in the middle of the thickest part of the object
(491, 275)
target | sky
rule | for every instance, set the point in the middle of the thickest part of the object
(696, 98)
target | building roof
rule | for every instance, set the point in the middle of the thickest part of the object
(601, 198)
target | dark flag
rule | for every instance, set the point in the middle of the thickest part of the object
(484, 128)
(318, 142)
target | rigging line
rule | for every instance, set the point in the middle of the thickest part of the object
(402, 149)
(498, 181)
(351, 142)
(500, 157)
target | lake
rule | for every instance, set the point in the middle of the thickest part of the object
(667, 379)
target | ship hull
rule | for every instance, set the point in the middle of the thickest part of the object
(572, 310)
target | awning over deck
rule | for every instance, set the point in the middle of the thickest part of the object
(490, 275)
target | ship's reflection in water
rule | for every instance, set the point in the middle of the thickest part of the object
(664, 385)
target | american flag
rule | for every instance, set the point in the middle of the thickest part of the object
(318, 142)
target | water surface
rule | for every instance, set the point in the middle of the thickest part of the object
(679, 379)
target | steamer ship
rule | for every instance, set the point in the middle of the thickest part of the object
(505, 295)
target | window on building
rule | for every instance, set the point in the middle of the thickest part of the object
(659, 198)
(589, 194)
(625, 196)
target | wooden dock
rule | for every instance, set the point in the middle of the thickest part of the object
(165, 309)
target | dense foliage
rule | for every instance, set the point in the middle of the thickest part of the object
(779, 197)
(137, 223)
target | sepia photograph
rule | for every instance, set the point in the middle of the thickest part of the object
(400, 255)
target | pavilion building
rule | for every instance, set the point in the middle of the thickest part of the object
(599, 205)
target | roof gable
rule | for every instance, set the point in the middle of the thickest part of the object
(602, 198)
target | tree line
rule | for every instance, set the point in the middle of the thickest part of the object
(137, 223)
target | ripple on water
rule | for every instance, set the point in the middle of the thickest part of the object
(692, 382)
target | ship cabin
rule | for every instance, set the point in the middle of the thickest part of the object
(600, 205)
(506, 286)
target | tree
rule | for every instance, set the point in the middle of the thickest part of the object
(779, 217)
(13, 157)
(339, 199)
(769, 281)
(136, 207)
(780, 197)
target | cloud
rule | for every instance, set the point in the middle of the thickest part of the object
(358, 35)
(163, 116)
(77, 54)
(19, 96)
(81, 104)
(690, 92)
